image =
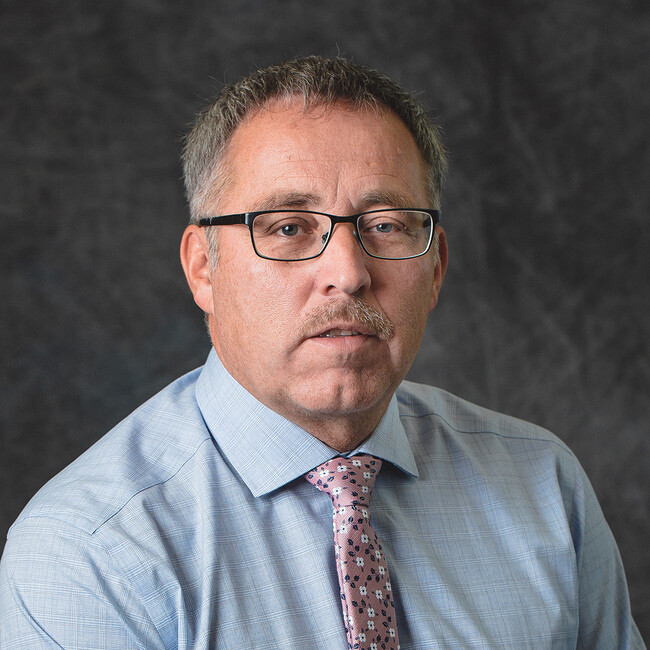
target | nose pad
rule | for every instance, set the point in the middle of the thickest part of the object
(326, 236)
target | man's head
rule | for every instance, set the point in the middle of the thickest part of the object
(325, 341)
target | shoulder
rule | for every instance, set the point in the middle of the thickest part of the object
(521, 465)
(146, 449)
(99, 533)
(429, 408)
(523, 487)
(453, 437)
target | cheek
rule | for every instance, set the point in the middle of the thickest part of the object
(259, 298)
(411, 300)
(406, 284)
(271, 292)
(413, 318)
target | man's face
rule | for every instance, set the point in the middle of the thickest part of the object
(341, 162)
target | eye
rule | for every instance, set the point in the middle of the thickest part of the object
(293, 227)
(383, 226)
(290, 229)
(285, 225)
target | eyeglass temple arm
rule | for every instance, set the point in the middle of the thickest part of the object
(227, 220)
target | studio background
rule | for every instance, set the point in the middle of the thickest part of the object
(544, 311)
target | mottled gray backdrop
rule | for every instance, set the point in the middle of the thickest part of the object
(544, 313)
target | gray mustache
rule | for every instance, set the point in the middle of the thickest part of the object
(353, 310)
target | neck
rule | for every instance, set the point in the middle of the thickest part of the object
(342, 433)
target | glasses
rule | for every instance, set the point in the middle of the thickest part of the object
(296, 235)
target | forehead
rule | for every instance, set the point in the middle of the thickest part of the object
(328, 152)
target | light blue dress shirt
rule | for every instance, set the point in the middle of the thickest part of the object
(189, 526)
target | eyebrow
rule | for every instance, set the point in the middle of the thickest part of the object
(387, 197)
(306, 200)
(288, 200)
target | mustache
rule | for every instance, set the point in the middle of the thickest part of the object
(354, 310)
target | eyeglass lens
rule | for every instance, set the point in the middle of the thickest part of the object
(301, 235)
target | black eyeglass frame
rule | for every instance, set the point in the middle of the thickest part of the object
(247, 218)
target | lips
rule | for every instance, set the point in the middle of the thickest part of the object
(338, 332)
(341, 328)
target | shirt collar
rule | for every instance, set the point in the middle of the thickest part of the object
(267, 450)
(389, 442)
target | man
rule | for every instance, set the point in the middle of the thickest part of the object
(204, 520)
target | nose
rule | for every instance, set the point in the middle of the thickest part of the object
(342, 265)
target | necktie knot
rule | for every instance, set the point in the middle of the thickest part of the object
(347, 481)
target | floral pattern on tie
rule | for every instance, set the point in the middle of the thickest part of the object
(366, 591)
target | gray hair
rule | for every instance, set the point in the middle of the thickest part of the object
(318, 81)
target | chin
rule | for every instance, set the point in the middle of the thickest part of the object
(328, 399)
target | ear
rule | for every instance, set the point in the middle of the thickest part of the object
(441, 267)
(196, 265)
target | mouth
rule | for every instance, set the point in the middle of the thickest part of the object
(347, 320)
(333, 333)
(342, 329)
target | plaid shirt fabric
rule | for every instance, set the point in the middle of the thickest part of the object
(189, 525)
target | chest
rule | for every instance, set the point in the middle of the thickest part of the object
(466, 572)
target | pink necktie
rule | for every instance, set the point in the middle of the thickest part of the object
(366, 593)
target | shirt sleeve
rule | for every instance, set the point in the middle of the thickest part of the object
(605, 619)
(59, 589)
